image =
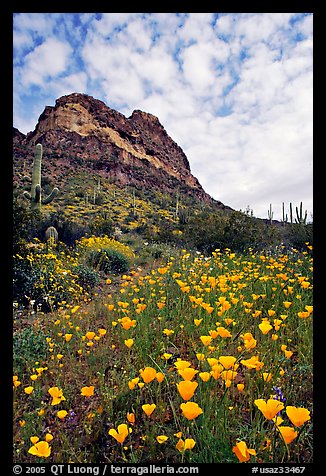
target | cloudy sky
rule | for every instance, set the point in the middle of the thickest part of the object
(234, 90)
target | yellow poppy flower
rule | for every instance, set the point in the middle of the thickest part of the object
(62, 414)
(212, 361)
(288, 433)
(270, 408)
(187, 389)
(159, 376)
(149, 408)
(228, 374)
(41, 449)
(298, 416)
(28, 390)
(277, 420)
(181, 364)
(187, 444)
(121, 434)
(129, 343)
(56, 394)
(252, 363)
(132, 383)
(205, 376)
(206, 340)
(267, 376)
(87, 391)
(148, 374)
(127, 323)
(191, 410)
(90, 335)
(227, 361)
(242, 452)
(265, 327)
(222, 332)
(188, 373)
(15, 380)
(131, 417)
(162, 439)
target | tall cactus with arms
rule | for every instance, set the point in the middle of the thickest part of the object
(35, 197)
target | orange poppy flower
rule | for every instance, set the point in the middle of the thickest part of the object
(191, 410)
(298, 416)
(121, 434)
(148, 374)
(242, 452)
(270, 408)
(187, 389)
(288, 433)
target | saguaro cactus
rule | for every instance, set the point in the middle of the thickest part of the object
(51, 234)
(301, 220)
(35, 197)
(284, 215)
(270, 214)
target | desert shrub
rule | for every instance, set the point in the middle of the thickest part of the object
(106, 254)
(24, 224)
(297, 235)
(87, 277)
(101, 226)
(29, 345)
(25, 278)
(108, 261)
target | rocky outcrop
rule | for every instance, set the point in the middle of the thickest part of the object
(81, 131)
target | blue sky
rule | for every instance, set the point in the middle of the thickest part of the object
(234, 90)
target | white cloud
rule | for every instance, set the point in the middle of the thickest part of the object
(197, 27)
(36, 23)
(45, 61)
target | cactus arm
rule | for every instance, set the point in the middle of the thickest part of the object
(37, 191)
(36, 200)
(285, 215)
(291, 214)
(50, 197)
(300, 218)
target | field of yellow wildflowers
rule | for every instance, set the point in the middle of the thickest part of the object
(199, 359)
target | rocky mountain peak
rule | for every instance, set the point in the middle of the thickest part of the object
(80, 130)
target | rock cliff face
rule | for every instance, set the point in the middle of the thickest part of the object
(80, 131)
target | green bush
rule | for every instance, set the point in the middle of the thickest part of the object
(29, 346)
(108, 261)
(25, 276)
(88, 278)
(24, 224)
